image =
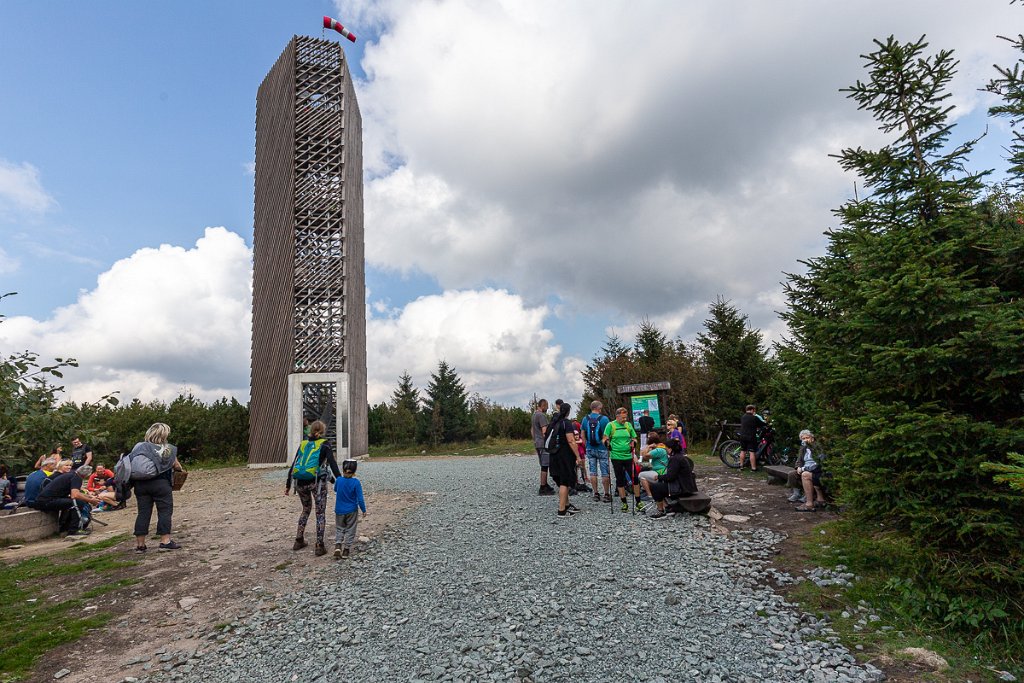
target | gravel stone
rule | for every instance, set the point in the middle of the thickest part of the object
(483, 582)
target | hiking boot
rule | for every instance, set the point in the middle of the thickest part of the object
(299, 544)
(606, 498)
(640, 507)
(345, 554)
(546, 491)
(320, 550)
(625, 506)
(597, 497)
(337, 551)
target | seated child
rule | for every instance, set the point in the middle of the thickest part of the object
(101, 485)
(348, 501)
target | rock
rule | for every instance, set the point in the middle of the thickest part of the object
(738, 519)
(924, 657)
(188, 603)
(671, 599)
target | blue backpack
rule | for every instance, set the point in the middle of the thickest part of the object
(306, 465)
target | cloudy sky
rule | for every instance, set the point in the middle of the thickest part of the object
(538, 173)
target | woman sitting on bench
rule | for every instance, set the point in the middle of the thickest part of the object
(807, 473)
(677, 481)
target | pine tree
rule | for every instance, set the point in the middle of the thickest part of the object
(446, 407)
(904, 334)
(735, 356)
(403, 411)
(650, 345)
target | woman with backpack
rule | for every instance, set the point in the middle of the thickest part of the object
(152, 461)
(314, 462)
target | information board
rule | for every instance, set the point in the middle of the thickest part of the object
(643, 402)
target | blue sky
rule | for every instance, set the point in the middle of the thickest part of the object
(537, 173)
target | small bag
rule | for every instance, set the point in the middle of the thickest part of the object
(178, 479)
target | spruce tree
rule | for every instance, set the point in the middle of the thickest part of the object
(650, 345)
(735, 357)
(909, 340)
(446, 407)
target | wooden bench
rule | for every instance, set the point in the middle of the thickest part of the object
(780, 472)
(699, 503)
(27, 524)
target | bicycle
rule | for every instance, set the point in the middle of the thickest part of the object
(766, 453)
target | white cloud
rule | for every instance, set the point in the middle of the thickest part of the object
(21, 190)
(8, 263)
(648, 155)
(497, 344)
(159, 321)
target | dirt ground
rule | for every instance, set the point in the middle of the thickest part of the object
(237, 527)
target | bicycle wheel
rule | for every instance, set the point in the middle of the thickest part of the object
(729, 452)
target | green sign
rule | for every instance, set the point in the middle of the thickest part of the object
(646, 402)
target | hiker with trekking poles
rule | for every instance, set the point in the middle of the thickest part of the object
(621, 439)
(313, 464)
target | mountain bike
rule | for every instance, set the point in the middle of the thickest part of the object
(767, 452)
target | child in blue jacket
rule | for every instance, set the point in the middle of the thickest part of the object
(348, 501)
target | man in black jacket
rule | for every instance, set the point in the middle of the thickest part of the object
(750, 426)
(63, 494)
(645, 425)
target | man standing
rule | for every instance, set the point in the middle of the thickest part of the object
(593, 428)
(750, 425)
(81, 453)
(539, 428)
(620, 437)
(646, 425)
(63, 494)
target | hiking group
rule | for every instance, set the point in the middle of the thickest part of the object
(599, 446)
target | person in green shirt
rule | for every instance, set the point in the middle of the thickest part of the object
(620, 437)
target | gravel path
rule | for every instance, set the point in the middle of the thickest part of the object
(484, 583)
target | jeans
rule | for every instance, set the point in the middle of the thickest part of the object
(597, 459)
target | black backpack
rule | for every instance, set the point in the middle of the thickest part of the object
(593, 438)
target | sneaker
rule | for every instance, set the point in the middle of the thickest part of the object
(345, 554)
(337, 551)
(546, 491)
(78, 533)
(796, 497)
(140, 548)
(170, 546)
(299, 544)
(320, 550)
(567, 512)
(597, 497)
(640, 507)
(625, 506)
(660, 514)
(120, 506)
(606, 498)
(572, 507)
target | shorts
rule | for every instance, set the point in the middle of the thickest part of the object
(748, 443)
(544, 457)
(623, 472)
(649, 475)
(597, 459)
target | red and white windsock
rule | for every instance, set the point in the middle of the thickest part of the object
(336, 25)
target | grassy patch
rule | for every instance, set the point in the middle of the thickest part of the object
(33, 623)
(488, 446)
(895, 630)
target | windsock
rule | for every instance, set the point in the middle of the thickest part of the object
(331, 23)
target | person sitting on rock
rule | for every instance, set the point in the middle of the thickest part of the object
(101, 485)
(808, 473)
(677, 481)
(35, 482)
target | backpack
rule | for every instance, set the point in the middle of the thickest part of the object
(306, 466)
(553, 440)
(593, 438)
(123, 478)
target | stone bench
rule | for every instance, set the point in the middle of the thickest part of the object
(699, 503)
(780, 472)
(27, 525)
